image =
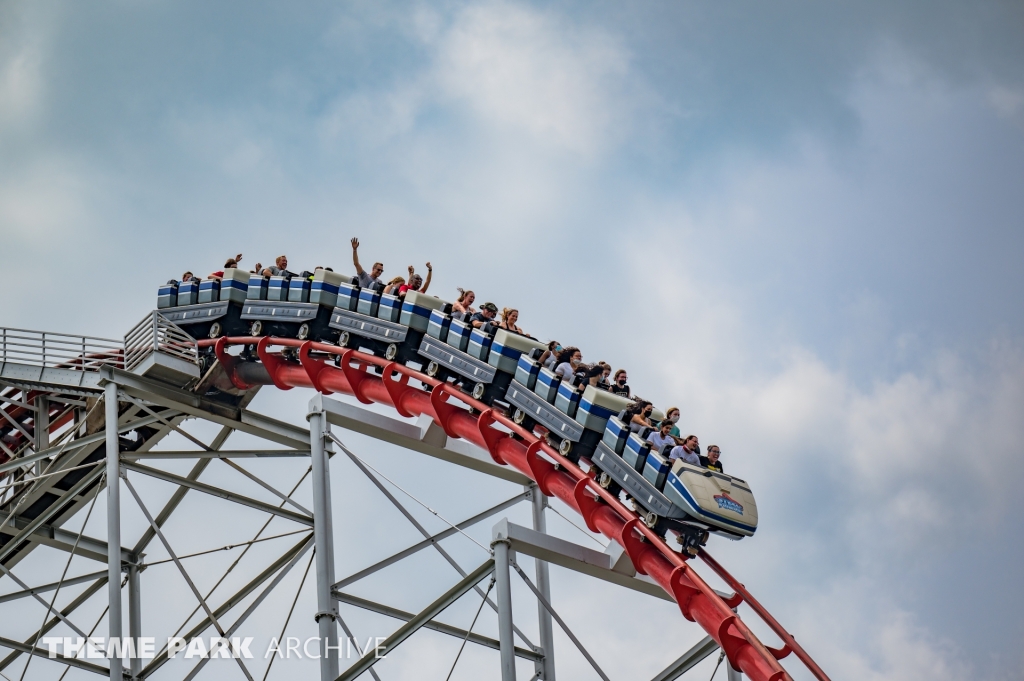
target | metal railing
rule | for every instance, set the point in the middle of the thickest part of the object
(156, 333)
(59, 350)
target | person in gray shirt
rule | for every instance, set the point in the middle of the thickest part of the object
(366, 279)
(278, 269)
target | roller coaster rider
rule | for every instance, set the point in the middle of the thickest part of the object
(487, 313)
(365, 279)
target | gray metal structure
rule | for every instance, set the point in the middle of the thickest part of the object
(83, 416)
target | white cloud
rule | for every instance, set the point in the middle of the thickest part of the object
(533, 71)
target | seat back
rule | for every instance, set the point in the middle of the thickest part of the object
(480, 340)
(277, 289)
(507, 347)
(257, 289)
(209, 291)
(527, 371)
(547, 384)
(615, 434)
(389, 308)
(635, 452)
(438, 326)
(656, 469)
(324, 289)
(458, 334)
(298, 289)
(188, 292)
(369, 300)
(597, 406)
(567, 399)
(234, 285)
(167, 295)
(417, 308)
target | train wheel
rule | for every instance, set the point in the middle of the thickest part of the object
(604, 480)
(518, 417)
(256, 329)
(478, 390)
(215, 330)
(650, 519)
(565, 447)
(303, 333)
(391, 352)
(344, 339)
(433, 369)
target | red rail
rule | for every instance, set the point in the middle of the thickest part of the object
(601, 511)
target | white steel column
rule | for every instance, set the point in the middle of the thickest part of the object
(547, 640)
(329, 664)
(503, 586)
(135, 615)
(41, 428)
(113, 525)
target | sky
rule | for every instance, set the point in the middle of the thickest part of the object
(802, 223)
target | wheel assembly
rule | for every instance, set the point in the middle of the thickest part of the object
(651, 519)
(565, 447)
(215, 330)
(478, 390)
(256, 329)
(604, 480)
(344, 338)
(391, 352)
(303, 333)
(518, 417)
(433, 369)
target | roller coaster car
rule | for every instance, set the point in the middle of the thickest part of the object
(481, 360)
(385, 325)
(574, 420)
(690, 500)
(208, 308)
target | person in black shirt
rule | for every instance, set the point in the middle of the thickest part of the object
(711, 460)
(486, 314)
(618, 385)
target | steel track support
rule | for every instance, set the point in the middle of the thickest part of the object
(503, 587)
(547, 639)
(113, 525)
(135, 615)
(41, 426)
(326, 610)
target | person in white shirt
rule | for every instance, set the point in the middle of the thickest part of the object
(661, 437)
(689, 451)
(569, 361)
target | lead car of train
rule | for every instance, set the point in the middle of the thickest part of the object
(493, 365)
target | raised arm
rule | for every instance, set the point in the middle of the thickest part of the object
(355, 255)
(426, 282)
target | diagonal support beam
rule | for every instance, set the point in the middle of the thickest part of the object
(689, 660)
(433, 539)
(441, 627)
(184, 573)
(66, 610)
(54, 509)
(230, 603)
(418, 621)
(256, 603)
(218, 492)
(71, 581)
(40, 652)
(41, 600)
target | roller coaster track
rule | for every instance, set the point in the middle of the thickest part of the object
(35, 514)
(289, 363)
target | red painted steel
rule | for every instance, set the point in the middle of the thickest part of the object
(555, 476)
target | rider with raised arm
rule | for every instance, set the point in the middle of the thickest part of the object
(415, 281)
(365, 279)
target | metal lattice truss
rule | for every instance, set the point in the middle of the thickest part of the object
(68, 439)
